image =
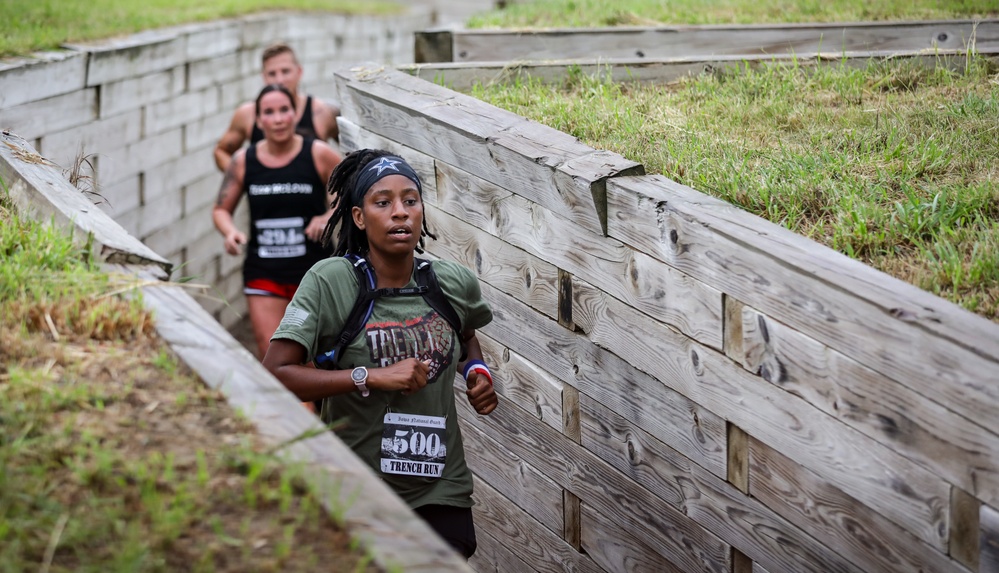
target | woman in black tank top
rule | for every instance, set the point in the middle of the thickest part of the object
(305, 126)
(284, 177)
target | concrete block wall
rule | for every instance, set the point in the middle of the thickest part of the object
(146, 111)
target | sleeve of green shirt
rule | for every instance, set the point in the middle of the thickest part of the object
(462, 288)
(318, 311)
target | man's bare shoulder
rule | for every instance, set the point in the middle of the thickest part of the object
(324, 119)
(245, 116)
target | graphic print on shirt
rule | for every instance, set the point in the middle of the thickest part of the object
(281, 238)
(425, 337)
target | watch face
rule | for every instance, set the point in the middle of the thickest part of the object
(359, 374)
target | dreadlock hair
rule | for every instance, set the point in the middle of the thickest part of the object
(341, 234)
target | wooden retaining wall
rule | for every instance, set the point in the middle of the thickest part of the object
(685, 386)
(657, 42)
(464, 76)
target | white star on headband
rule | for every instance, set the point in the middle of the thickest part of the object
(383, 164)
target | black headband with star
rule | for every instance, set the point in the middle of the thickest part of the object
(379, 168)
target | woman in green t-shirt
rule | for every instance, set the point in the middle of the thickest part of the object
(393, 382)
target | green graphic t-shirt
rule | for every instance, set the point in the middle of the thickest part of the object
(413, 442)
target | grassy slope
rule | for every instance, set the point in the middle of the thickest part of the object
(45, 24)
(590, 13)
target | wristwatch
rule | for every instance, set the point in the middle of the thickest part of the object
(360, 375)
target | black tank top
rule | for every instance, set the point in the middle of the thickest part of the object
(282, 202)
(305, 127)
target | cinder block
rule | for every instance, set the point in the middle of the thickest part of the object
(180, 110)
(239, 91)
(92, 138)
(137, 55)
(169, 177)
(318, 49)
(200, 196)
(135, 92)
(34, 119)
(250, 62)
(176, 236)
(214, 71)
(325, 91)
(260, 30)
(309, 25)
(203, 259)
(212, 39)
(141, 156)
(41, 76)
(118, 198)
(234, 310)
(154, 215)
(206, 131)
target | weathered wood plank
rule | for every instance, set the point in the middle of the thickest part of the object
(40, 191)
(962, 451)
(988, 561)
(535, 544)
(463, 76)
(508, 268)
(719, 507)
(672, 41)
(615, 549)
(524, 383)
(931, 345)
(354, 137)
(546, 165)
(964, 530)
(600, 486)
(649, 285)
(874, 474)
(473, 204)
(839, 520)
(493, 556)
(517, 480)
(693, 430)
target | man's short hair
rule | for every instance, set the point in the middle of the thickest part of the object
(276, 50)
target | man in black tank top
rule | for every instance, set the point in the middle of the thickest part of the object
(317, 118)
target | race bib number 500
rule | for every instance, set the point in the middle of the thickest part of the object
(413, 445)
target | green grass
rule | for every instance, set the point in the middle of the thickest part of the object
(113, 457)
(592, 13)
(36, 25)
(894, 164)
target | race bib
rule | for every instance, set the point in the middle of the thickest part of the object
(281, 238)
(413, 445)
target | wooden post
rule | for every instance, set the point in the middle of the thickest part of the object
(565, 299)
(572, 528)
(738, 457)
(964, 529)
(732, 337)
(988, 521)
(740, 562)
(570, 414)
(433, 46)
